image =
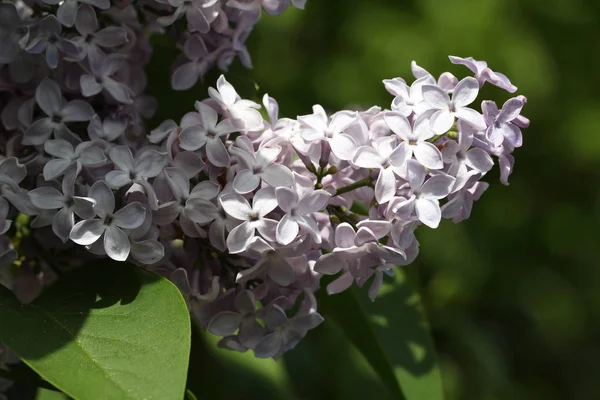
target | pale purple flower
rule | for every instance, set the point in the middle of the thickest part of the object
(58, 112)
(204, 211)
(49, 39)
(260, 166)
(353, 247)
(148, 164)
(11, 174)
(199, 14)
(184, 204)
(207, 132)
(502, 124)
(356, 253)
(92, 40)
(318, 127)
(272, 264)
(244, 113)
(427, 193)
(101, 79)
(446, 81)
(299, 204)
(242, 320)
(395, 86)
(196, 301)
(284, 129)
(464, 94)
(483, 73)
(414, 139)
(187, 74)
(64, 156)
(68, 9)
(388, 159)
(253, 218)
(49, 198)
(464, 160)
(409, 100)
(286, 333)
(108, 130)
(459, 204)
(110, 223)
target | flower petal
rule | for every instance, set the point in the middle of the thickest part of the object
(287, 198)
(428, 212)
(131, 216)
(147, 251)
(116, 244)
(465, 92)
(63, 223)
(287, 230)
(200, 210)
(217, 153)
(471, 116)
(437, 187)
(479, 160)
(117, 179)
(428, 155)
(225, 323)
(441, 121)
(239, 238)
(87, 232)
(313, 201)
(56, 167)
(277, 175)
(236, 206)
(47, 198)
(192, 138)
(398, 124)
(367, 157)
(245, 181)
(385, 187)
(264, 201)
(49, 97)
(436, 97)
(105, 200)
(122, 157)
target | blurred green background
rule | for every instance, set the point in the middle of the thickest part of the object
(512, 294)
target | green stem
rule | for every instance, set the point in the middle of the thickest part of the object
(358, 184)
(451, 134)
(17, 378)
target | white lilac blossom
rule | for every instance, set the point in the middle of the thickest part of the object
(110, 224)
(245, 215)
(463, 94)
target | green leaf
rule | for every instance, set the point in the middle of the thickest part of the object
(393, 336)
(44, 394)
(106, 331)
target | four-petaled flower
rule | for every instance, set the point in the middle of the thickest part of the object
(464, 94)
(110, 223)
(236, 206)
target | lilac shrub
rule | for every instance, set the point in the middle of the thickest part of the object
(244, 214)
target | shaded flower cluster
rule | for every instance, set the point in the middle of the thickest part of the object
(247, 214)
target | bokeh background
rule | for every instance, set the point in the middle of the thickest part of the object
(512, 294)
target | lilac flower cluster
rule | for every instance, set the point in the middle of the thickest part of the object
(245, 215)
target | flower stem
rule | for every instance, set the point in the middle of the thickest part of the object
(358, 184)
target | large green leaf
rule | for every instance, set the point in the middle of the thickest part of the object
(106, 331)
(393, 336)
